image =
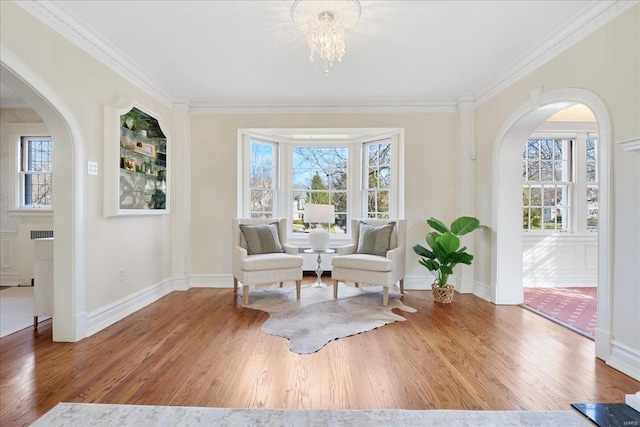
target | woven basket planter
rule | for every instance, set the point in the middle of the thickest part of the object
(442, 295)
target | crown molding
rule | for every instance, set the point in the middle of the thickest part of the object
(435, 106)
(594, 16)
(632, 144)
(64, 22)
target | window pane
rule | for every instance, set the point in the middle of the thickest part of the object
(37, 189)
(592, 219)
(533, 151)
(533, 171)
(549, 196)
(536, 218)
(546, 149)
(558, 169)
(557, 149)
(262, 174)
(591, 172)
(592, 196)
(39, 155)
(536, 197)
(591, 149)
(547, 170)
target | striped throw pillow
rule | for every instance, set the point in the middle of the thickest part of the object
(261, 238)
(375, 240)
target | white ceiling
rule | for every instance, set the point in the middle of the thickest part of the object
(249, 53)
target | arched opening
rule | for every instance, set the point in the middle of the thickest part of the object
(507, 248)
(560, 219)
(69, 320)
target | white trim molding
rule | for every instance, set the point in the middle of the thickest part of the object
(211, 281)
(269, 107)
(625, 359)
(632, 144)
(64, 22)
(482, 290)
(106, 316)
(68, 223)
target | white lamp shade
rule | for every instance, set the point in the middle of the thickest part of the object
(324, 214)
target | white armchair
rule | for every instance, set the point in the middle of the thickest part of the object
(375, 258)
(264, 258)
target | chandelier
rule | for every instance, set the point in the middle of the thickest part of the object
(325, 23)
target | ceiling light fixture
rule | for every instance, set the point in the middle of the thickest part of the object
(325, 23)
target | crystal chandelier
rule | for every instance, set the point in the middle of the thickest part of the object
(325, 23)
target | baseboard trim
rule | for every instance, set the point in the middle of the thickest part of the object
(106, 316)
(625, 359)
(603, 344)
(559, 282)
(10, 279)
(418, 283)
(482, 290)
(182, 284)
(211, 281)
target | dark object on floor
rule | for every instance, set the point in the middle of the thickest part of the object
(609, 414)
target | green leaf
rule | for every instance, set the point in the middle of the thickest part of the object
(431, 239)
(431, 265)
(448, 242)
(464, 225)
(436, 224)
(422, 251)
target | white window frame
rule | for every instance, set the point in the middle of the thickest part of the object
(354, 138)
(23, 170)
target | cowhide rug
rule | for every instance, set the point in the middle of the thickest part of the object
(317, 318)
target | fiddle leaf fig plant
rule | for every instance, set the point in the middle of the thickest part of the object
(444, 251)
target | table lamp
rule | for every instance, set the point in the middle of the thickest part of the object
(319, 214)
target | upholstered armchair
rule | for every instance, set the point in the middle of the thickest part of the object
(376, 255)
(260, 255)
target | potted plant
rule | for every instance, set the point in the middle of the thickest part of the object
(444, 253)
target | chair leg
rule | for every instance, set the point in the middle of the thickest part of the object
(245, 291)
(335, 289)
(235, 285)
(385, 296)
(298, 286)
(281, 283)
(402, 286)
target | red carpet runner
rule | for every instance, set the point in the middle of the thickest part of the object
(571, 307)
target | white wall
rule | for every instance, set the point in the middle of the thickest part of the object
(560, 260)
(607, 63)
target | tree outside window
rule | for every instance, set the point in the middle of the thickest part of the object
(320, 177)
(261, 179)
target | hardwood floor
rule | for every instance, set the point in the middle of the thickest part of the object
(201, 348)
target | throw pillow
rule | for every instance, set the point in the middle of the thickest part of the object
(261, 238)
(375, 240)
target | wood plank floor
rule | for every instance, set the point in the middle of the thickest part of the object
(201, 348)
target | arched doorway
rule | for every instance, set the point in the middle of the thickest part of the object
(69, 321)
(507, 217)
